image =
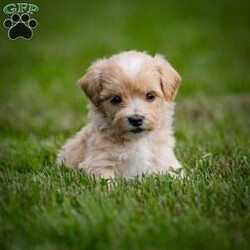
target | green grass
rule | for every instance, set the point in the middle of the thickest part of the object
(45, 207)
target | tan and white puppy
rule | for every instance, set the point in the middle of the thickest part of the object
(130, 118)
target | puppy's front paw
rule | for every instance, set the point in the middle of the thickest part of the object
(60, 159)
(178, 173)
(99, 172)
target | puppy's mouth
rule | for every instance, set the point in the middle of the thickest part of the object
(137, 130)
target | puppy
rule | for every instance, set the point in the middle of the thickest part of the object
(130, 118)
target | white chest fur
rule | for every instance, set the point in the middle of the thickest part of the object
(135, 160)
(144, 156)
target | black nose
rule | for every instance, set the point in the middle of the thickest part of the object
(136, 120)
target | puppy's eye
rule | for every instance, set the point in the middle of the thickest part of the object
(116, 100)
(150, 96)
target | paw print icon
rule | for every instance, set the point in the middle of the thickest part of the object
(20, 26)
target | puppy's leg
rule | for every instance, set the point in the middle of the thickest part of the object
(74, 150)
(176, 173)
(175, 168)
(102, 168)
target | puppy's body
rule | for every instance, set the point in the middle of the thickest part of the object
(131, 113)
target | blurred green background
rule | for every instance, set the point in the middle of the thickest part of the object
(208, 42)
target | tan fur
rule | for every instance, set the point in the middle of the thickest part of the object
(108, 145)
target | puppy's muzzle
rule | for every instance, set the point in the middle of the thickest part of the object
(136, 121)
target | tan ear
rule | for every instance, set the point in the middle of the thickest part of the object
(170, 79)
(91, 82)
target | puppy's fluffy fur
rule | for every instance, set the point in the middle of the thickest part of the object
(130, 118)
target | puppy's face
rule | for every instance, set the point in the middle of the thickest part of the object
(130, 90)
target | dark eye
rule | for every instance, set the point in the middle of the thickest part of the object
(150, 96)
(116, 100)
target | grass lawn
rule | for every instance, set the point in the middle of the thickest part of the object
(45, 207)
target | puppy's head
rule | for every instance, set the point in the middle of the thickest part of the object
(130, 90)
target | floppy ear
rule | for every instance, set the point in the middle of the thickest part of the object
(170, 79)
(91, 83)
